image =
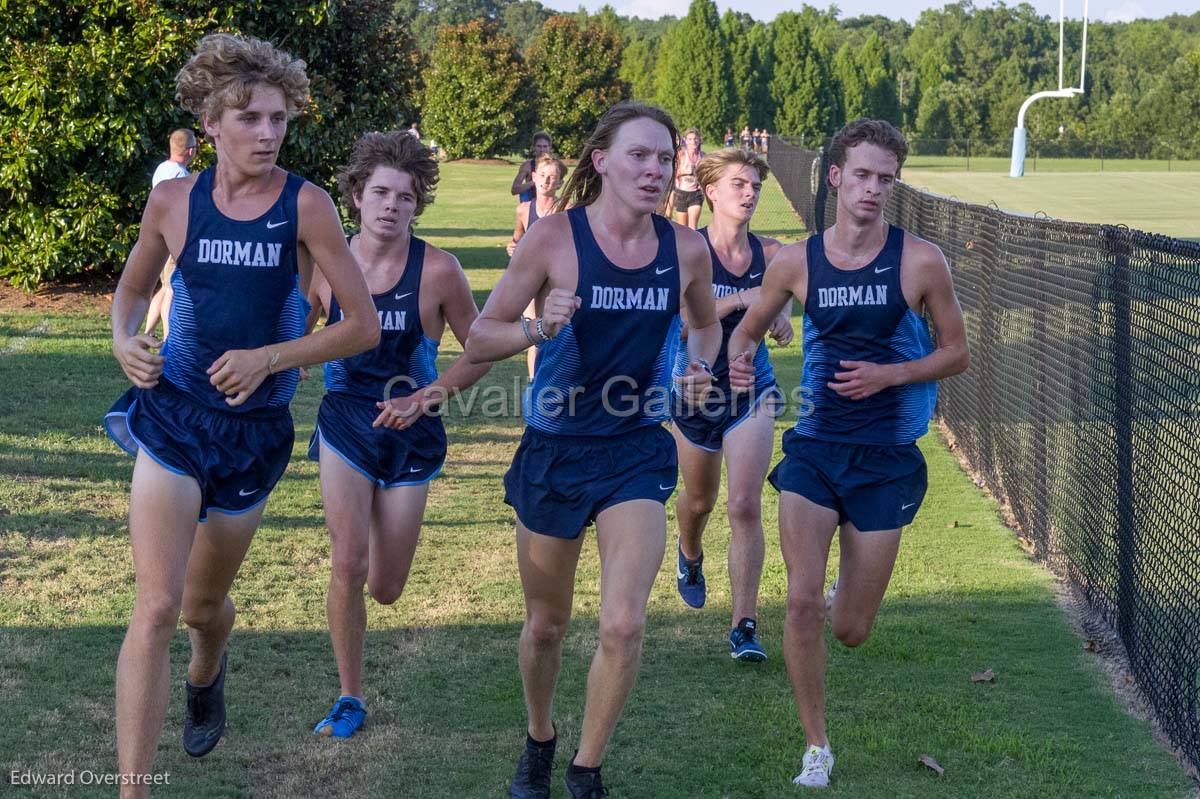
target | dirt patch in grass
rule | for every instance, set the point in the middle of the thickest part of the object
(93, 294)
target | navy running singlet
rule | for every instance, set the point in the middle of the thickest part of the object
(862, 315)
(236, 287)
(607, 371)
(532, 216)
(405, 359)
(726, 283)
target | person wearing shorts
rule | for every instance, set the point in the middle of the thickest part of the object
(609, 277)
(870, 372)
(379, 437)
(688, 198)
(738, 426)
(208, 417)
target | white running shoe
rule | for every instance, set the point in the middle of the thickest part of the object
(818, 765)
(829, 595)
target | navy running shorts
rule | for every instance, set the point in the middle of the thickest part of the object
(236, 458)
(387, 457)
(874, 487)
(705, 424)
(558, 485)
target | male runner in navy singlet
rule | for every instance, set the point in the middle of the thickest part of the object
(869, 375)
(379, 437)
(740, 425)
(609, 278)
(208, 418)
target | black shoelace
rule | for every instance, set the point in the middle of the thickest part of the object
(693, 573)
(197, 709)
(541, 762)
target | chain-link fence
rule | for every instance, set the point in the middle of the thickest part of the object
(1081, 409)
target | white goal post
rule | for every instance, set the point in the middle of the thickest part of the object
(1017, 166)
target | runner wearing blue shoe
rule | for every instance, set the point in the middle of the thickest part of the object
(208, 418)
(609, 278)
(738, 426)
(379, 438)
(869, 374)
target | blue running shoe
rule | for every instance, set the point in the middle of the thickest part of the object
(689, 579)
(345, 719)
(204, 720)
(743, 642)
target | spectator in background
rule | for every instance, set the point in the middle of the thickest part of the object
(414, 131)
(181, 145)
(523, 184)
(687, 195)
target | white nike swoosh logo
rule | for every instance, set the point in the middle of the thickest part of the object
(906, 507)
(754, 276)
(273, 225)
(658, 271)
(662, 487)
(879, 271)
(402, 296)
(412, 469)
(245, 493)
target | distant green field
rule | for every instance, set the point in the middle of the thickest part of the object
(961, 163)
(1157, 202)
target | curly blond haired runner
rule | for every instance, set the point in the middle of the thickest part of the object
(207, 416)
(225, 68)
(396, 149)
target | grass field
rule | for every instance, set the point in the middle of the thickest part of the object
(1157, 202)
(441, 677)
(1033, 164)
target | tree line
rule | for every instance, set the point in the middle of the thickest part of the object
(86, 88)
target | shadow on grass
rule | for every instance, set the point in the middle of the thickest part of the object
(447, 715)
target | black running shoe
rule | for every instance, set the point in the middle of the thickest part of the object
(532, 780)
(205, 720)
(585, 784)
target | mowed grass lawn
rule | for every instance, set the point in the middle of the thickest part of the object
(441, 677)
(1156, 202)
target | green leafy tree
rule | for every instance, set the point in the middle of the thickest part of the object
(638, 64)
(523, 22)
(802, 86)
(576, 73)
(762, 64)
(1174, 106)
(867, 86)
(735, 27)
(478, 96)
(87, 100)
(697, 89)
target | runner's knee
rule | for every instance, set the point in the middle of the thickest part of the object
(201, 612)
(621, 633)
(546, 628)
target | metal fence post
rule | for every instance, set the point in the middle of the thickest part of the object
(1117, 243)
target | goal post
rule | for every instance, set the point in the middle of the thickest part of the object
(1020, 135)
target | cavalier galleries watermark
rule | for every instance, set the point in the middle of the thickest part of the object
(31, 778)
(620, 396)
